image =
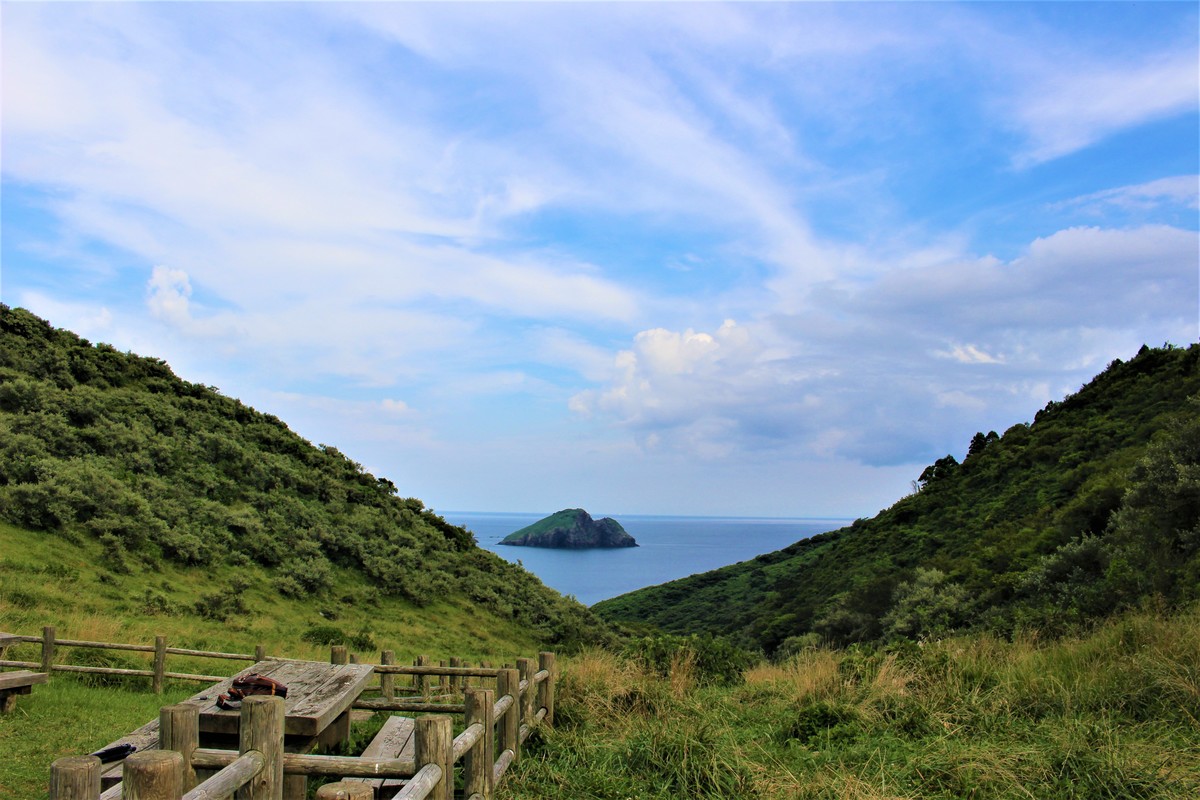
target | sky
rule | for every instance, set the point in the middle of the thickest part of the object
(745, 259)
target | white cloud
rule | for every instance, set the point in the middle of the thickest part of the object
(167, 294)
(394, 406)
(1068, 108)
(857, 372)
(969, 354)
(1178, 190)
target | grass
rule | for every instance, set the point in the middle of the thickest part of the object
(66, 718)
(1110, 715)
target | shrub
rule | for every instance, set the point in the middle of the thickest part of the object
(713, 659)
(155, 604)
(324, 635)
(224, 603)
(363, 640)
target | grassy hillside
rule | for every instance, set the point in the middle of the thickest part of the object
(1090, 508)
(110, 459)
(1112, 714)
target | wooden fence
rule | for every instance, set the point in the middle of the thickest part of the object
(51, 645)
(495, 728)
(453, 673)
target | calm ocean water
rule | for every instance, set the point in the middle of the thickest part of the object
(670, 548)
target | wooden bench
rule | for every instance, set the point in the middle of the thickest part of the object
(394, 740)
(14, 683)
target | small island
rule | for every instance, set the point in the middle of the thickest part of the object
(571, 529)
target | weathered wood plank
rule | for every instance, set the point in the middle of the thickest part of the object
(334, 695)
(244, 769)
(317, 694)
(394, 740)
(305, 764)
(21, 679)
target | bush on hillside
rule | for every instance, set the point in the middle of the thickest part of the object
(712, 659)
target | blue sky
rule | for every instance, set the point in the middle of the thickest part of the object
(749, 259)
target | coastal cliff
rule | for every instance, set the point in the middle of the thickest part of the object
(571, 529)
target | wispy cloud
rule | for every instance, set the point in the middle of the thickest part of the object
(1072, 108)
(1178, 190)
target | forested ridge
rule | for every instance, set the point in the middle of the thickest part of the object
(1092, 508)
(110, 445)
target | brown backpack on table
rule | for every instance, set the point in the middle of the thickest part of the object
(250, 685)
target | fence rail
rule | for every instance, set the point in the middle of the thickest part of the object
(51, 645)
(495, 728)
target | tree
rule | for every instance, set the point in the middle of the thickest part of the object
(1156, 531)
(928, 605)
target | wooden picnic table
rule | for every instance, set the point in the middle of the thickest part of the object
(319, 695)
(316, 712)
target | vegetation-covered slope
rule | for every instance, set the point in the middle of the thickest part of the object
(98, 445)
(1092, 507)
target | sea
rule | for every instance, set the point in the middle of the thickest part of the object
(669, 548)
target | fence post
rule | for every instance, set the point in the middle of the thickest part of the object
(75, 778)
(546, 661)
(423, 680)
(160, 662)
(262, 730)
(525, 667)
(47, 650)
(455, 680)
(152, 775)
(435, 745)
(478, 761)
(338, 654)
(345, 790)
(387, 681)
(179, 730)
(260, 652)
(508, 683)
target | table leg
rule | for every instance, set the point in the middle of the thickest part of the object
(337, 732)
(295, 787)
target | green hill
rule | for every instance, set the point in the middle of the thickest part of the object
(571, 529)
(1091, 508)
(114, 461)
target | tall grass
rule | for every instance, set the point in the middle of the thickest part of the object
(1109, 715)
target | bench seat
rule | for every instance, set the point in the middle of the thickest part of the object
(20, 681)
(394, 740)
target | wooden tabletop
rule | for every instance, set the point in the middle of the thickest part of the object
(318, 693)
